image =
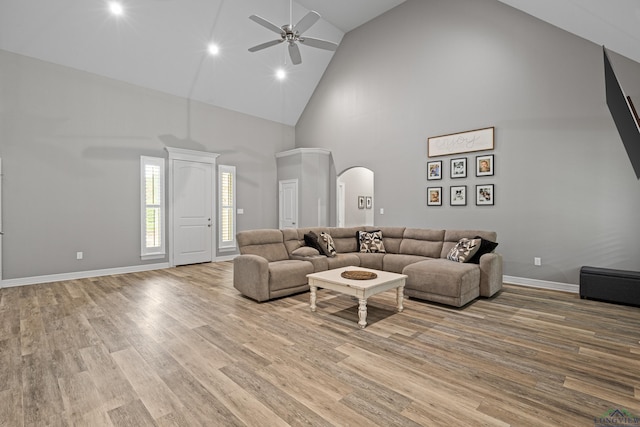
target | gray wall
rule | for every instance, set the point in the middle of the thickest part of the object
(565, 189)
(312, 169)
(70, 144)
(358, 182)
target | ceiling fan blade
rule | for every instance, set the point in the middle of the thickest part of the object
(266, 24)
(265, 45)
(294, 53)
(320, 44)
(307, 21)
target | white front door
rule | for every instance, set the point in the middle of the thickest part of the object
(288, 191)
(192, 212)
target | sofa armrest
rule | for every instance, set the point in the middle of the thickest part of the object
(490, 274)
(251, 276)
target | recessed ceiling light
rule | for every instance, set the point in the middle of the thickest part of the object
(281, 74)
(213, 49)
(116, 8)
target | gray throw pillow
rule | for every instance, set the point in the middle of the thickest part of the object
(326, 244)
(371, 242)
(464, 250)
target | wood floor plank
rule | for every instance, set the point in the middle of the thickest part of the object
(80, 397)
(113, 387)
(41, 398)
(251, 411)
(11, 412)
(181, 347)
(313, 394)
(152, 391)
(198, 401)
(133, 413)
(289, 409)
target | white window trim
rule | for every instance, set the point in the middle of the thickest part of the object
(231, 244)
(154, 253)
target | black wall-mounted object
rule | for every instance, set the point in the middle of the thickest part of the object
(605, 284)
(622, 114)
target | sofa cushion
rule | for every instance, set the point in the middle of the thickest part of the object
(344, 239)
(464, 250)
(343, 260)
(268, 244)
(370, 242)
(486, 246)
(391, 237)
(371, 260)
(305, 251)
(395, 263)
(327, 247)
(422, 242)
(288, 274)
(443, 277)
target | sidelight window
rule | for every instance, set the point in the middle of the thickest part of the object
(153, 207)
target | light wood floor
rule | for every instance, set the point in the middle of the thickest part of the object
(182, 347)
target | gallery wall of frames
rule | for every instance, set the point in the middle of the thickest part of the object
(466, 163)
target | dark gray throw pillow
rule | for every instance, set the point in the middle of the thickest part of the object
(311, 240)
(486, 246)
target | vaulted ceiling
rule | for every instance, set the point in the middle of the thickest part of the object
(162, 44)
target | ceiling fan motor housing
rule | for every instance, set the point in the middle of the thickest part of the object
(289, 34)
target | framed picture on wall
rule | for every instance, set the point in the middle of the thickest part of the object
(484, 165)
(369, 202)
(434, 196)
(459, 167)
(458, 196)
(460, 142)
(434, 170)
(360, 202)
(485, 195)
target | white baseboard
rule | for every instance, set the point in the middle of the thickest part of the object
(226, 258)
(542, 284)
(80, 275)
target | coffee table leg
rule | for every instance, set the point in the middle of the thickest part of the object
(400, 298)
(362, 312)
(312, 302)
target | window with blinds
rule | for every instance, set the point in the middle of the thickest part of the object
(227, 216)
(152, 192)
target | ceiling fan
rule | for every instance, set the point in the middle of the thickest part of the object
(292, 34)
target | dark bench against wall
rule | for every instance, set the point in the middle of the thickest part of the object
(604, 284)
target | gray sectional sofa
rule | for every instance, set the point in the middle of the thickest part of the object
(275, 263)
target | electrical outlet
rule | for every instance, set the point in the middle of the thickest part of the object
(381, 211)
(537, 261)
(79, 255)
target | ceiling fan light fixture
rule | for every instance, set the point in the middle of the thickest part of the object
(281, 74)
(116, 8)
(213, 49)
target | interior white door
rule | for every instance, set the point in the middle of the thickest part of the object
(192, 212)
(288, 190)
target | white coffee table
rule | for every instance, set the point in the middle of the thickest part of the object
(361, 289)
